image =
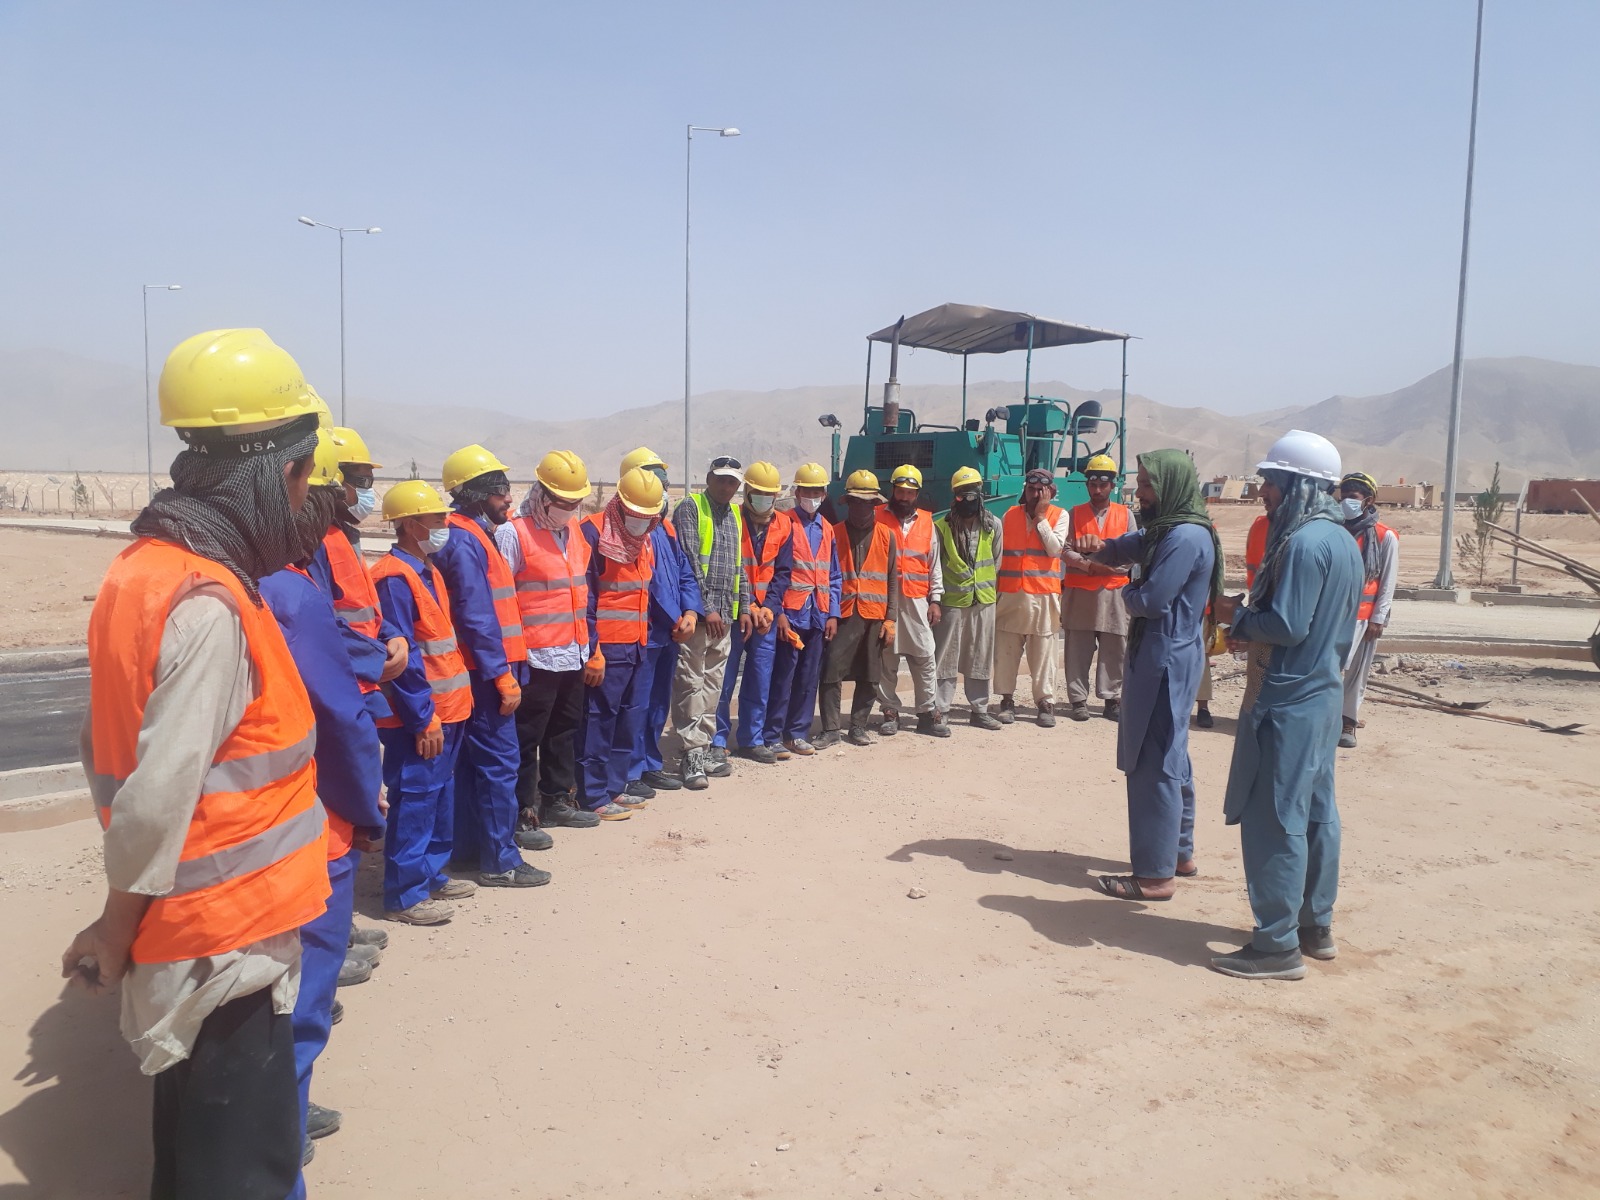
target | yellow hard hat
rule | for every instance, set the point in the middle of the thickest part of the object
(412, 498)
(324, 413)
(811, 475)
(468, 463)
(1100, 464)
(563, 474)
(762, 477)
(325, 459)
(640, 492)
(351, 448)
(966, 477)
(906, 476)
(863, 485)
(231, 377)
(642, 457)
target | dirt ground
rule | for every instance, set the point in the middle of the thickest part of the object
(733, 994)
(50, 584)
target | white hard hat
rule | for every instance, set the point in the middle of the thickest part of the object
(1305, 454)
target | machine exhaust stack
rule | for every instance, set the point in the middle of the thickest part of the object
(891, 389)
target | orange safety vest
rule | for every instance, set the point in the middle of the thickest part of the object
(759, 573)
(435, 637)
(254, 862)
(503, 589)
(1255, 550)
(865, 591)
(357, 601)
(622, 605)
(1084, 522)
(1024, 566)
(813, 574)
(1369, 590)
(341, 834)
(552, 587)
(916, 551)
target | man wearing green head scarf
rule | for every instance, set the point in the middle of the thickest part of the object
(1180, 573)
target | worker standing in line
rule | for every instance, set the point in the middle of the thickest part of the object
(765, 531)
(1028, 610)
(806, 587)
(349, 770)
(921, 589)
(616, 690)
(549, 563)
(488, 625)
(1254, 547)
(1298, 625)
(430, 703)
(1092, 612)
(869, 598)
(970, 544)
(1180, 577)
(712, 535)
(197, 747)
(674, 612)
(1380, 565)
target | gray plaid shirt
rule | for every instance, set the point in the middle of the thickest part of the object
(724, 577)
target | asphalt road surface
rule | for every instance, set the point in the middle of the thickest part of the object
(40, 716)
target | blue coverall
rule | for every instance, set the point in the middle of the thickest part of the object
(421, 790)
(757, 656)
(348, 773)
(795, 672)
(614, 711)
(486, 772)
(367, 655)
(673, 592)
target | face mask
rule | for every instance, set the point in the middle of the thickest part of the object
(760, 502)
(366, 504)
(967, 508)
(810, 504)
(1352, 508)
(637, 526)
(438, 539)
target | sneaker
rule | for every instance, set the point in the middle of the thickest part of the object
(1316, 941)
(454, 889)
(320, 1122)
(639, 790)
(353, 971)
(780, 752)
(826, 739)
(627, 801)
(1250, 963)
(1203, 717)
(932, 724)
(715, 755)
(800, 747)
(533, 838)
(761, 754)
(424, 912)
(307, 1152)
(561, 813)
(1008, 711)
(694, 771)
(661, 781)
(1047, 714)
(521, 875)
(858, 736)
(719, 770)
(1113, 710)
(369, 936)
(371, 954)
(984, 720)
(337, 1013)
(891, 724)
(1080, 710)
(1347, 738)
(613, 812)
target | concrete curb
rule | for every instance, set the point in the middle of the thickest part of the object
(44, 659)
(1474, 646)
(43, 797)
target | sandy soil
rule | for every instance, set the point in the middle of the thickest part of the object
(733, 995)
(50, 584)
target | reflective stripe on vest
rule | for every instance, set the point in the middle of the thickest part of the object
(965, 585)
(1369, 590)
(1024, 565)
(622, 594)
(708, 534)
(1255, 550)
(435, 639)
(813, 573)
(254, 859)
(356, 601)
(916, 551)
(1085, 521)
(759, 574)
(552, 587)
(502, 590)
(865, 591)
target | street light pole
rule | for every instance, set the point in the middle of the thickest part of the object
(688, 166)
(341, 230)
(1444, 579)
(149, 447)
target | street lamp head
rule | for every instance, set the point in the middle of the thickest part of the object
(306, 221)
(174, 287)
(730, 131)
(374, 229)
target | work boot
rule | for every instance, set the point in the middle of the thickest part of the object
(612, 812)
(1203, 717)
(368, 936)
(639, 790)
(858, 736)
(1113, 710)
(721, 768)
(454, 889)
(521, 875)
(826, 739)
(891, 724)
(800, 747)
(336, 1014)
(984, 720)
(1347, 739)
(533, 838)
(559, 812)
(661, 781)
(1047, 715)
(780, 752)
(715, 755)
(1080, 710)
(424, 912)
(1008, 711)
(320, 1122)
(932, 724)
(307, 1152)
(1316, 941)
(760, 754)
(370, 954)
(353, 971)
(630, 802)
(1250, 963)
(694, 771)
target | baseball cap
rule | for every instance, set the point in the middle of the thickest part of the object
(725, 464)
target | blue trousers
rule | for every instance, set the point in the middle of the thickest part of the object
(795, 674)
(755, 689)
(612, 714)
(1292, 878)
(421, 815)
(322, 947)
(660, 664)
(1160, 805)
(486, 783)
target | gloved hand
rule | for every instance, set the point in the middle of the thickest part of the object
(594, 671)
(430, 742)
(510, 694)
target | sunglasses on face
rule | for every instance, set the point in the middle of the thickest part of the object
(357, 479)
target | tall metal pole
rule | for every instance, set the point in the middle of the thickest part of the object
(149, 450)
(342, 420)
(1444, 579)
(688, 166)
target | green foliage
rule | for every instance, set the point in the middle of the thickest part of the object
(1472, 547)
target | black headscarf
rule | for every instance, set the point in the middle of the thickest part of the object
(1361, 529)
(316, 516)
(480, 488)
(228, 501)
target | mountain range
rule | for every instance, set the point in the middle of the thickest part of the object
(1535, 417)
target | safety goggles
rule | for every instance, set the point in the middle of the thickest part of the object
(356, 477)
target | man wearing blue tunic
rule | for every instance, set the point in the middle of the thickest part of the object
(1180, 573)
(1298, 625)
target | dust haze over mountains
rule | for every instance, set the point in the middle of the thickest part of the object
(1536, 417)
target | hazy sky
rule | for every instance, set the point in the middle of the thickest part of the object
(1267, 193)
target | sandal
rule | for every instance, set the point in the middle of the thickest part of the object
(1125, 887)
(1189, 874)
